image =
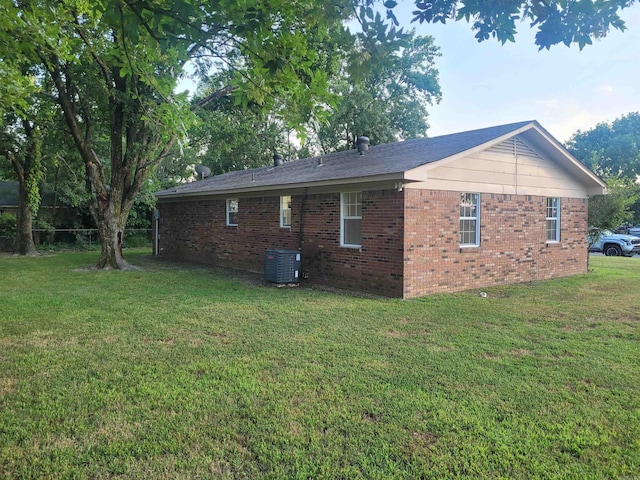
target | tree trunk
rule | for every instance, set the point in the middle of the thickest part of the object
(24, 228)
(111, 229)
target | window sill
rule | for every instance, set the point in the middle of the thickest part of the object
(469, 248)
(352, 247)
(551, 244)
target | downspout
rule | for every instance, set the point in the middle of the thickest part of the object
(156, 216)
(301, 229)
(303, 273)
(515, 154)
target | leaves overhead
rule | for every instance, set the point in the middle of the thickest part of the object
(557, 21)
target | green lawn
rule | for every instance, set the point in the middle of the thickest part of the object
(175, 371)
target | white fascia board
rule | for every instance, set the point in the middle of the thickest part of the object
(389, 177)
(572, 162)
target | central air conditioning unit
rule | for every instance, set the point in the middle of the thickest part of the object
(282, 266)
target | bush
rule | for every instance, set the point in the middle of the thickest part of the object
(8, 228)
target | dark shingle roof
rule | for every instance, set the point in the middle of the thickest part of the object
(391, 158)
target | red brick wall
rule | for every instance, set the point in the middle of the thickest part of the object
(512, 247)
(375, 267)
(197, 231)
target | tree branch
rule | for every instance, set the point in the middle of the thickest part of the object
(223, 92)
(103, 67)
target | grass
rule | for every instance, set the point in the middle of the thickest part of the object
(175, 371)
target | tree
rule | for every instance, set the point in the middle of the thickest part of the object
(609, 211)
(115, 63)
(22, 132)
(557, 21)
(387, 96)
(229, 136)
(610, 149)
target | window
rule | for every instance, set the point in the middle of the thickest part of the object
(351, 219)
(232, 211)
(285, 211)
(553, 219)
(469, 219)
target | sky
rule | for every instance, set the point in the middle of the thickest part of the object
(564, 89)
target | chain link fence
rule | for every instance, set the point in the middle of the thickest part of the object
(89, 237)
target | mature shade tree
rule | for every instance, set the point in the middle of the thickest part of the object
(610, 149)
(115, 63)
(231, 137)
(21, 140)
(384, 94)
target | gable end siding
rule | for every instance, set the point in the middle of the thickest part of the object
(510, 167)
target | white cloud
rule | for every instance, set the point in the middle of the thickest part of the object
(565, 117)
(606, 88)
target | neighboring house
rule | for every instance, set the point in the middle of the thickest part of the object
(9, 197)
(498, 205)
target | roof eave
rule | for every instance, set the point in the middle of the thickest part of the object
(593, 182)
(395, 176)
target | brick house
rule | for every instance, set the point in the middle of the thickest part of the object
(498, 205)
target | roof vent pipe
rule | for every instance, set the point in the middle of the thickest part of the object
(362, 144)
(278, 160)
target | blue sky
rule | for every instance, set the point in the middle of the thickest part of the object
(565, 89)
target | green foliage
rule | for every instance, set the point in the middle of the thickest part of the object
(145, 203)
(386, 96)
(610, 149)
(609, 211)
(179, 372)
(557, 21)
(8, 226)
(114, 65)
(232, 137)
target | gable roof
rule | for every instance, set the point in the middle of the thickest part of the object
(381, 162)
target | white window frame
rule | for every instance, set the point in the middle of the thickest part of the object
(230, 211)
(552, 203)
(285, 206)
(350, 206)
(465, 218)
